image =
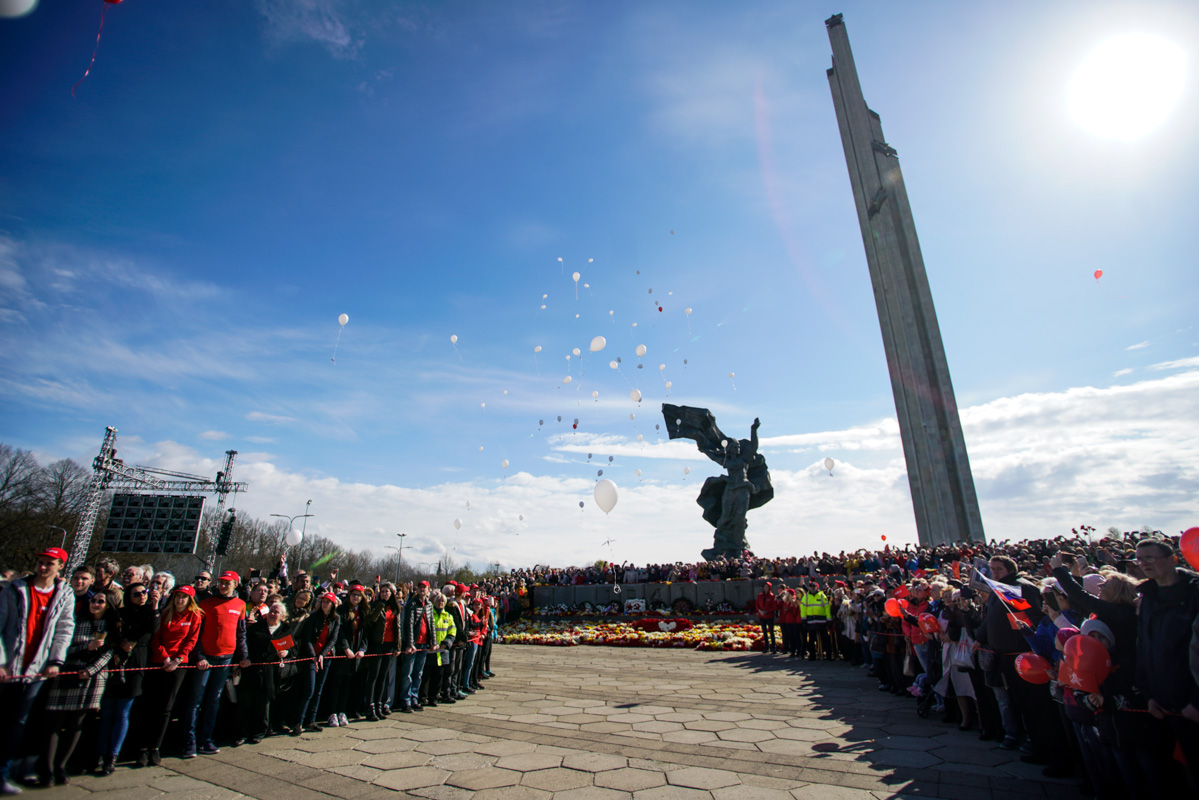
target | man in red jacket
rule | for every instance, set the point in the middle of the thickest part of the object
(222, 641)
(766, 605)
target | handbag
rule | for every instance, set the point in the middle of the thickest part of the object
(909, 665)
(961, 654)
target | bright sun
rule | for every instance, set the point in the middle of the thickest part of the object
(1127, 86)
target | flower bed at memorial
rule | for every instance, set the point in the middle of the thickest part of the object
(640, 633)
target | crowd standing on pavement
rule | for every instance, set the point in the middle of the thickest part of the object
(1082, 654)
(106, 662)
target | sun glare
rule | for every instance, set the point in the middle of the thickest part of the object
(1127, 86)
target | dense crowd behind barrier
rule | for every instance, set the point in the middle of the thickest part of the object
(1082, 652)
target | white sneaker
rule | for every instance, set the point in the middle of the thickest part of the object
(345, 723)
(333, 721)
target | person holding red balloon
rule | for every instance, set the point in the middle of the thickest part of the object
(1165, 628)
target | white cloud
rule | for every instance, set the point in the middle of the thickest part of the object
(325, 22)
(1182, 363)
(261, 439)
(1138, 345)
(1043, 463)
(275, 419)
(1121, 373)
(214, 436)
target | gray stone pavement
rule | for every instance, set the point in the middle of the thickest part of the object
(597, 722)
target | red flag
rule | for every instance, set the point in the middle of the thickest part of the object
(286, 643)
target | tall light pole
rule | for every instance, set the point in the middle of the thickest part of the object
(64, 535)
(401, 535)
(393, 547)
(291, 521)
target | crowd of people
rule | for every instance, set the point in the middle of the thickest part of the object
(985, 635)
(92, 666)
(1082, 653)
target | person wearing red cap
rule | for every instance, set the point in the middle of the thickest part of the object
(170, 647)
(37, 622)
(417, 638)
(766, 607)
(451, 679)
(222, 641)
(316, 640)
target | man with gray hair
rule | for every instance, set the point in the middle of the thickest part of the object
(161, 587)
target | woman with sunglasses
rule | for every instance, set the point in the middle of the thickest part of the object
(139, 617)
(383, 622)
(170, 646)
(80, 687)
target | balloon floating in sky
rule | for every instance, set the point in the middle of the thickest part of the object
(636, 395)
(341, 320)
(606, 495)
(828, 464)
(1098, 274)
(686, 470)
(595, 395)
(294, 537)
(598, 343)
(613, 365)
(638, 473)
(567, 379)
(537, 349)
(504, 463)
(453, 338)
(640, 437)
(458, 524)
(580, 504)
(640, 350)
(599, 472)
(576, 352)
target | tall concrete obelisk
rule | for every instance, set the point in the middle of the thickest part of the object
(943, 496)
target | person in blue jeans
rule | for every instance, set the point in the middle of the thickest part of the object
(315, 640)
(418, 637)
(222, 641)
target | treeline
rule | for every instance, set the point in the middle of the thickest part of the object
(38, 503)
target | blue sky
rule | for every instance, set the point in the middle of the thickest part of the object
(178, 240)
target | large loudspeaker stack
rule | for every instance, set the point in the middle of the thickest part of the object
(147, 523)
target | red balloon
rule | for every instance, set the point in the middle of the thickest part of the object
(929, 624)
(1189, 544)
(114, 2)
(892, 607)
(575, 426)
(884, 537)
(1089, 663)
(1033, 668)
(1098, 274)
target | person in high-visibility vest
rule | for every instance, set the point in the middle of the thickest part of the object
(444, 631)
(815, 612)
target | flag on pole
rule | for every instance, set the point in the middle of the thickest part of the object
(1012, 597)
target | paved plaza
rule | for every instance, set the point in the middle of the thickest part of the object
(603, 722)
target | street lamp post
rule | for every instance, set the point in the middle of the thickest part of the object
(290, 522)
(393, 547)
(401, 550)
(64, 535)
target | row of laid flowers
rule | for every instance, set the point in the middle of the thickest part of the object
(640, 633)
(639, 606)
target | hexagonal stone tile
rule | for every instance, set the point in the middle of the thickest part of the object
(581, 719)
(671, 793)
(592, 793)
(689, 737)
(680, 716)
(764, 724)
(386, 746)
(745, 735)
(594, 762)
(530, 762)
(658, 727)
(460, 761)
(512, 793)
(630, 780)
(709, 725)
(583, 703)
(702, 778)
(486, 778)
(396, 760)
(757, 793)
(333, 758)
(429, 734)
(786, 747)
(907, 742)
(532, 719)
(604, 727)
(556, 779)
(505, 748)
(803, 734)
(727, 716)
(412, 778)
(444, 747)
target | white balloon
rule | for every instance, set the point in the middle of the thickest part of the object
(576, 351)
(343, 319)
(668, 384)
(595, 394)
(537, 349)
(598, 343)
(568, 357)
(586, 285)
(828, 464)
(566, 379)
(731, 374)
(504, 463)
(522, 517)
(458, 524)
(636, 395)
(638, 473)
(294, 537)
(453, 338)
(468, 504)
(640, 350)
(613, 365)
(724, 442)
(559, 258)
(480, 448)
(686, 470)
(661, 368)
(606, 495)
(611, 312)
(634, 324)
(640, 437)
(590, 260)
(543, 306)
(545, 297)
(687, 311)
(632, 416)
(575, 276)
